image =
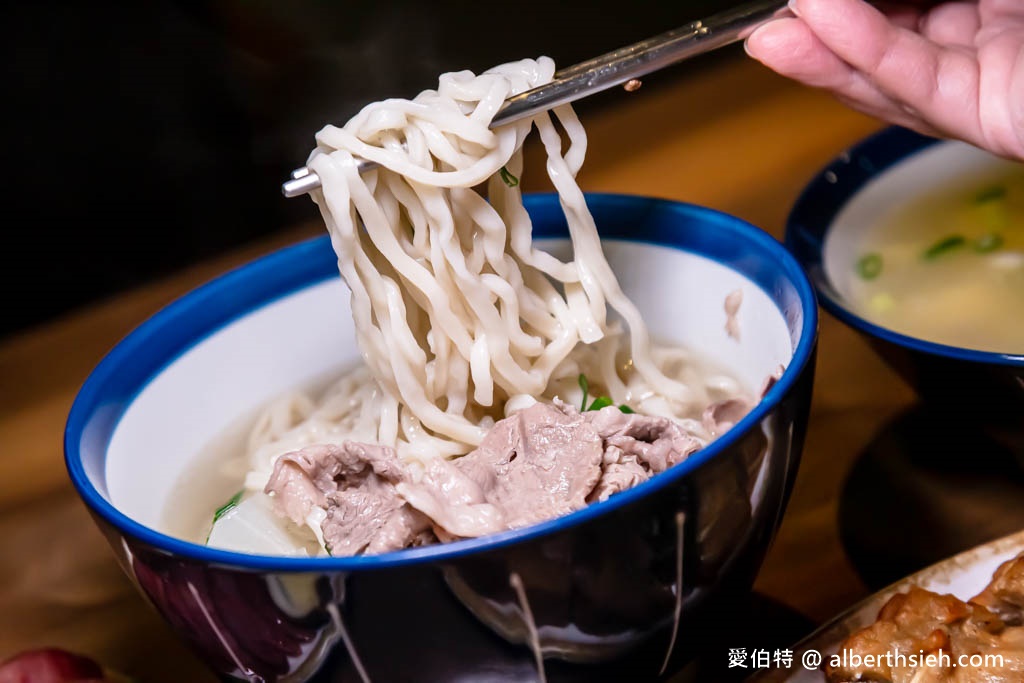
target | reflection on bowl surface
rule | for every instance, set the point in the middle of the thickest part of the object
(613, 591)
(919, 245)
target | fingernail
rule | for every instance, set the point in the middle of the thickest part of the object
(793, 8)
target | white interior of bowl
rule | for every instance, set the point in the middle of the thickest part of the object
(940, 165)
(306, 336)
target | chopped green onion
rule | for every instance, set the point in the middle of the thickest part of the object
(944, 245)
(882, 302)
(987, 243)
(869, 266)
(225, 509)
(507, 176)
(599, 402)
(991, 194)
(228, 506)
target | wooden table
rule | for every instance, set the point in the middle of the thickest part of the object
(730, 135)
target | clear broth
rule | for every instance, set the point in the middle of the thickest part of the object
(948, 266)
(215, 474)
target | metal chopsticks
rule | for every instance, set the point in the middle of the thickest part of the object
(611, 69)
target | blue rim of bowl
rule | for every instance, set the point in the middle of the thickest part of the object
(822, 200)
(163, 338)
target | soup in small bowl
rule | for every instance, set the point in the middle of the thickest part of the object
(919, 244)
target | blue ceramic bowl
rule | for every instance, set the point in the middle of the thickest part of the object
(987, 386)
(621, 590)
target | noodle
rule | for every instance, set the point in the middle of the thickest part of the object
(460, 320)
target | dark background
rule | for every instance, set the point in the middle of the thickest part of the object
(143, 136)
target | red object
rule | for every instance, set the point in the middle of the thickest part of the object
(50, 666)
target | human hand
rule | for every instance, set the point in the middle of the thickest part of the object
(954, 70)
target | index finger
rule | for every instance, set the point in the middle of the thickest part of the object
(936, 83)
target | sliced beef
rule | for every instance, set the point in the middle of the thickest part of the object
(544, 461)
(656, 443)
(372, 519)
(552, 453)
(539, 463)
(299, 482)
(455, 503)
(620, 472)
(720, 417)
(302, 479)
(355, 484)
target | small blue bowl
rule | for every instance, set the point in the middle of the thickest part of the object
(985, 386)
(621, 590)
